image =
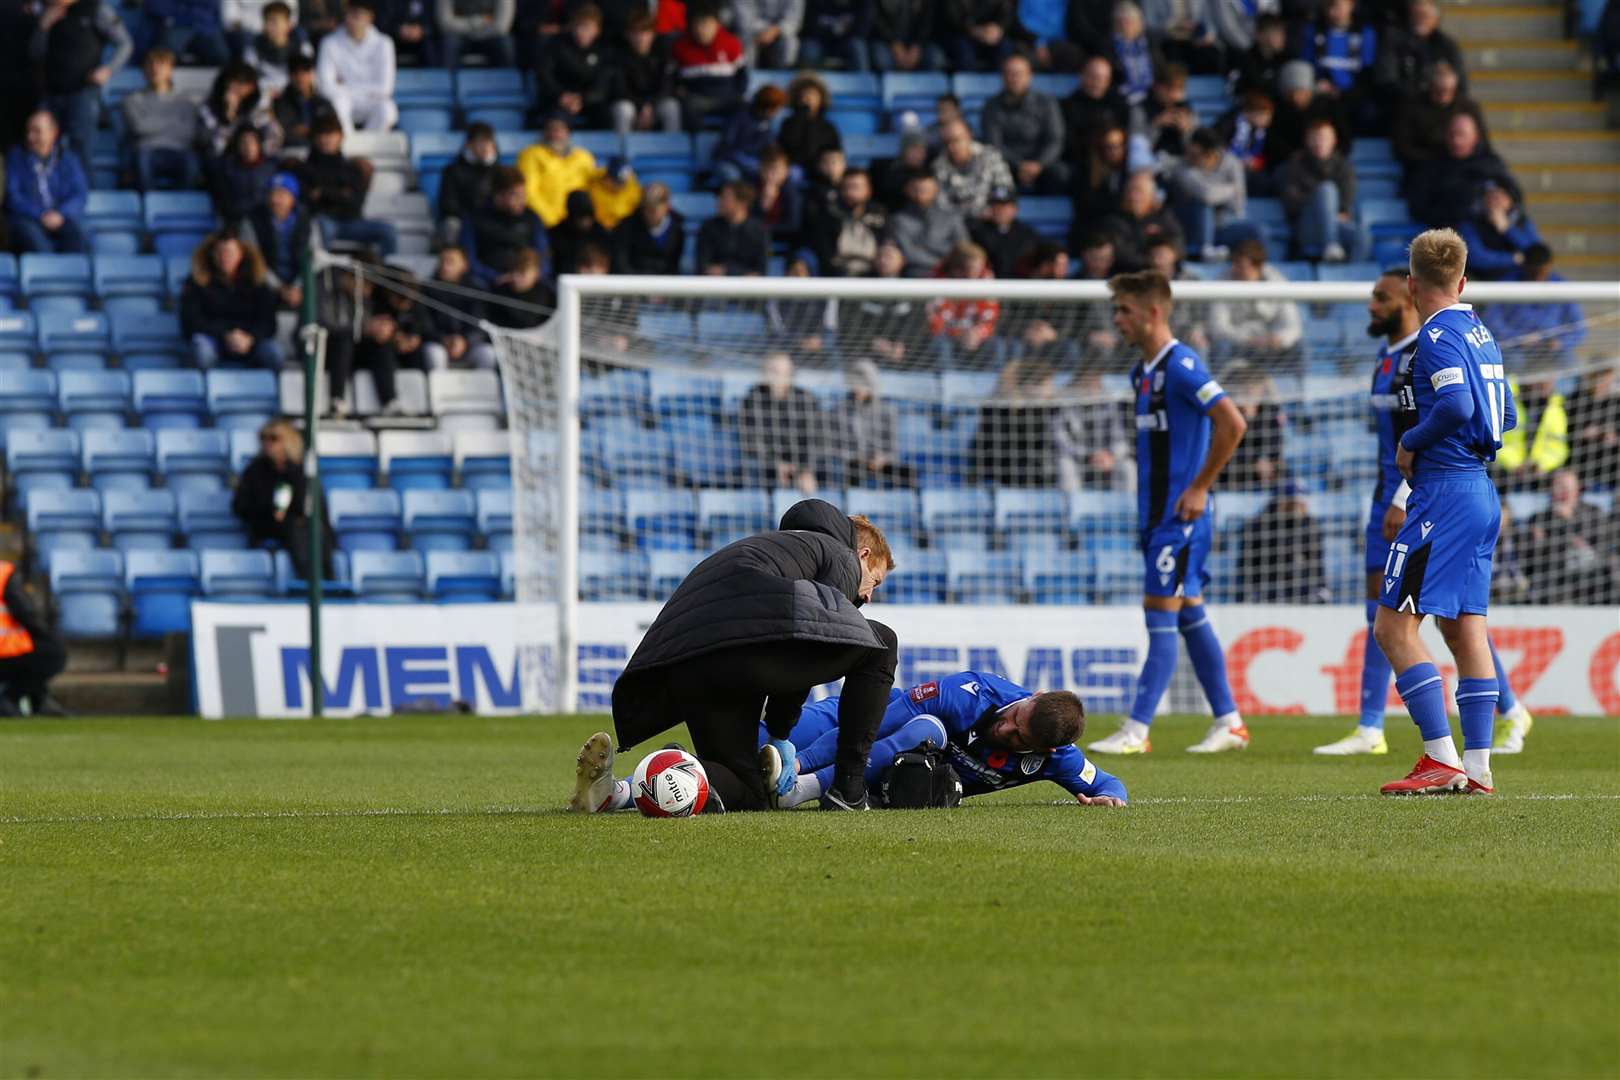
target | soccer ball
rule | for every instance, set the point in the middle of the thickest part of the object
(670, 783)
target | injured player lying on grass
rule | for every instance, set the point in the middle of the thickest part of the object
(993, 733)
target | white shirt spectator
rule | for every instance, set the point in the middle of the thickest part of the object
(357, 77)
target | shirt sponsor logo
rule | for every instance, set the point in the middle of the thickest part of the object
(1434, 335)
(1450, 376)
(1208, 392)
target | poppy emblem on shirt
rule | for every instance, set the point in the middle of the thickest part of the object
(1384, 368)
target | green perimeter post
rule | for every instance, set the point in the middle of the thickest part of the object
(312, 475)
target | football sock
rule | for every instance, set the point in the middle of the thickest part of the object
(1208, 661)
(619, 800)
(910, 736)
(1159, 666)
(1506, 701)
(1476, 703)
(807, 788)
(1477, 764)
(1424, 693)
(1375, 673)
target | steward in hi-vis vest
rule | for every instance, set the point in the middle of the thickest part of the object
(30, 653)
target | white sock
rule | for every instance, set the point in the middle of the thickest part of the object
(619, 800)
(1443, 750)
(1233, 719)
(1136, 729)
(805, 788)
(1477, 763)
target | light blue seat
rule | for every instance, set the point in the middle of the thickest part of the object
(662, 520)
(194, 458)
(635, 457)
(463, 576)
(659, 150)
(861, 150)
(161, 585)
(56, 275)
(89, 590)
(27, 400)
(139, 519)
(1059, 577)
(1349, 271)
(1119, 575)
(431, 152)
(1092, 513)
(365, 519)
(1048, 215)
(94, 399)
(1521, 504)
(178, 212)
(242, 399)
(484, 459)
(602, 523)
(416, 460)
(1267, 212)
(718, 329)
(949, 513)
(18, 332)
(84, 332)
(620, 576)
(491, 88)
(725, 516)
(63, 519)
(176, 269)
(978, 577)
(1296, 270)
(667, 569)
(695, 206)
(601, 144)
(129, 284)
(348, 459)
(1233, 509)
(913, 89)
(244, 448)
(237, 575)
(894, 512)
(149, 341)
(919, 577)
(707, 456)
(1030, 509)
(207, 522)
(44, 458)
(10, 287)
(494, 517)
(663, 327)
(119, 457)
(617, 393)
(974, 88)
(388, 577)
(439, 520)
(170, 399)
(1056, 84)
(114, 212)
(416, 88)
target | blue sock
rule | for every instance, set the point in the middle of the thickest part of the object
(909, 737)
(821, 752)
(1375, 671)
(1425, 695)
(1208, 660)
(1476, 702)
(1159, 666)
(1505, 699)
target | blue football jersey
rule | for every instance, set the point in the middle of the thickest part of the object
(1457, 355)
(1174, 393)
(1394, 410)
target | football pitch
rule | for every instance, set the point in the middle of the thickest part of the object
(403, 897)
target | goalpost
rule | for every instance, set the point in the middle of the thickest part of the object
(985, 424)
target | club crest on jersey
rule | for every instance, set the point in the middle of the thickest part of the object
(1030, 764)
(1158, 380)
(920, 694)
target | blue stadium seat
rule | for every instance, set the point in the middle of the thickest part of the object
(617, 393)
(660, 150)
(88, 587)
(861, 150)
(289, 583)
(977, 577)
(678, 396)
(1094, 513)
(139, 519)
(722, 329)
(1119, 576)
(1206, 88)
(119, 457)
(602, 522)
(56, 275)
(178, 212)
(463, 576)
(1059, 577)
(419, 120)
(10, 287)
(601, 144)
(439, 520)
(160, 585)
(149, 341)
(465, 400)
(237, 575)
(855, 119)
(696, 207)
(197, 459)
(662, 520)
(667, 569)
(1349, 271)
(121, 279)
(919, 577)
(66, 519)
(484, 460)
(365, 519)
(708, 456)
(432, 152)
(913, 90)
(388, 577)
(1049, 216)
(94, 399)
(613, 576)
(491, 88)
(244, 448)
(495, 517)
(1057, 84)
(895, 512)
(27, 400)
(957, 516)
(176, 269)
(1030, 510)
(416, 88)
(170, 399)
(1267, 212)
(348, 459)
(630, 456)
(1296, 270)
(241, 399)
(114, 213)
(661, 328)
(207, 522)
(724, 516)
(47, 458)
(974, 88)
(416, 460)
(18, 333)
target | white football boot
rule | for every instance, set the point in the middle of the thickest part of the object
(1127, 740)
(770, 767)
(593, 775)
(1222, 735)
(1363, 740)
(1511, 729)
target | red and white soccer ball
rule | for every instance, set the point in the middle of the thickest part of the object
(670, 783)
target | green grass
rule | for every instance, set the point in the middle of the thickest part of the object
(402, 898)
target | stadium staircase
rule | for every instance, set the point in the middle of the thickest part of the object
(1535, 84)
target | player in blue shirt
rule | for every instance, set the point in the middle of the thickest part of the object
(1393, 317)
(1440, 561)
(1186, 430)
(997, 735)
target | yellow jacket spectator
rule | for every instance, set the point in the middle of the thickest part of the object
(1541, 410)
(553, 168)
(615, 192)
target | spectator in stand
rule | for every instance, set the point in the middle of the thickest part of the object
(1258, 466)
(1538, 444)
(866, 430)
(299, 104)
(778, 204)
(1012, 446)
(227, 311)
(46, 191)
(965, 330)
(1422, 125)
(846, 236)
(1036, 332)
(1091, 447)
(1142, 216)
(281, 230)
(1318, 189)
(1170, 117)
(891, 175)
(615, 193)
(235, 103)
(271, 498)
(192, 29)
(747, 135)
(1565, 548)
(554, 167)
(1189, 318)
(410, 25)
(1545, 333)
(641, 81)
(1499, 235)
(1280, 560)
(1026, 127)
(1132, 56)
(501, 228)
(355, 71)
(242, 179)
(1263, 332)
(1298, 105)
(822, 187)
(967, 171)
(710, 76)
(19, 88)
(651, 240)
(334, 189)
(162, 128)
(1261, 64)
(67, 48)
(947, 111)
(1185, 33)
(836, 30)
(448, 341)
(1593, 421)
(801, 326)
(1005, 239)
(573, 77)
(574, 232)
(769, 31)
(925, 230)
(807, 131)
(1058, 33)
(1100, 184)
(481, 27)
(1209, 192)
(1246, 131)
(522, 299)
(733, 242)
(1099, 341)
(1444, 192)
(977, 33)
(397, 299)
(886, 329)
(464, 184)
(1094, 106)
(270, 50)
(1407, 60)
(1343, 55)
(320, 17)
(374, 352)
(902, 36)
(1509, 585)
(780, 425)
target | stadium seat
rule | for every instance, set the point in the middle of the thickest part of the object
(66, 519)
(707, 456)
(160, 585)
(695, 206)
(912, 90)
(895, 512)
(618, 393)
(613, 576)
(170, 399)
(416, 460)
(47, 458)
(1059, 577)
(1119, 576)
(861, 150)
(602, 522)
(176, 269)
(667, 569)
(186, 213)
(919, 577)
(974, 88)
(662, 520)
(463, 576)
(44, 276)
(651, 151)
(1093, 514)
(1206, 88)
(94, 399)
(730, 329)
(241, 399)
(949, 513)
(465, 400)
(1056, 83)
(491, 88)
(388, 577)
(416, 88)
(236, 575)
(18, 332)
(661, 328)
(129, 283)
(365, 519)
(119, 458)
(88, 588)
(149, 341)
(27, 400)
(135, 518)
(494, 516)
(207, 522)
(483, 460)
(1030, 510)
(976, 577)
(439, 520)
(194, 459)
(1231, 509)
(85, 333)
(348, 459)
(114, 214)
(725, 516)
(629, 456)
(244, 448)
(1349, 271)
(1521, 504)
